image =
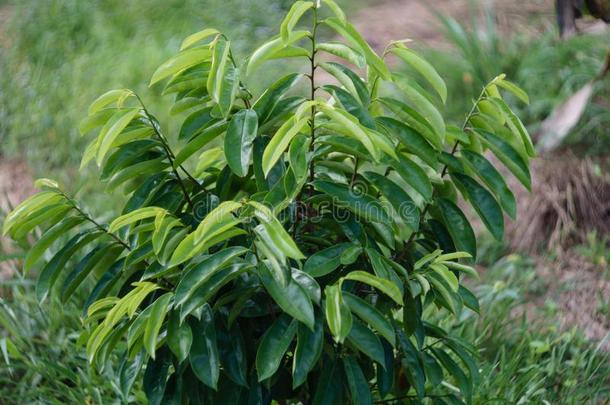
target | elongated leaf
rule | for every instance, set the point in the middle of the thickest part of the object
(273, 346)
(385, 286)
(458, 226)
(325, 261)
(509, 156)
(342, 51)
(48, 238)
(361, 204)
(280, 142)
(239, 140)
(402, 203)
(181, 61)
(415, 176)
(424, 68)
(307, 352)
(201, 272)
(204, 357)
(155, 377)
(424, 106)
(367, 342)
(371, 315)
(360, 392)
(197, 37)
(415, 143)
(292, 18)
(484, 203)
(112, 96)
(346, 30)
(292, 299)
(179, 336)
(270, 49)
(270, 98)
(338, 315)
(157, 316)
(112, 130)
(493, 179)
(199, 141)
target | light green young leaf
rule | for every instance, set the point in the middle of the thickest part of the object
(198, 36)
(157, 316)
(280, 141)
(424, 68)
(134, 216)
(181, 61)
(292, 18)
(385, 286)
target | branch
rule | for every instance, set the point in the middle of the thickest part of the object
(170, 155)
(443, 173)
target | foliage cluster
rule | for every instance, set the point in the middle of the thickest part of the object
(299, 266)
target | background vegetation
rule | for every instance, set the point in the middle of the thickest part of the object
(57, 55)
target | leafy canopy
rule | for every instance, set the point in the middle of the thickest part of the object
(298, 243)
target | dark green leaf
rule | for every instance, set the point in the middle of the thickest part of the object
(458, 226)
(273, 346)
(239, 139)
(203, 357)
(357, 383)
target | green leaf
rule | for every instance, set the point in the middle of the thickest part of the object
(338, 315)
(113, 96)
(458, 226)
(360, 204)
(411, 139)
(197, 37)
(112, 130)
(181, 61)
(297, 156)
(402, 203)
(307, 352)
(270, 49)
(493, 179)
(267, 102)
(346, 30)
(385, 286)
(199, 141)
(204, 357)
(325, 261)
(47, 239)
(484, 203)
(351, 127)
(424, 68)
(216, 220)
(51, 271)
(157, 316)
(239, 139)
(292, 298)
(134, 216)
(342, 51)
(292, 18)
(201, 272)
(367, 342)
(97, 260)
(415, 176)
(155, 377)
(280, 142)
(509, 156)
(358, 385)
(276, 236)
(179, 336)
(223, 80)
(415, 120)
(514, 89)
(371, 315)
(196, 122)
(28, 207)
(273, 346)
(423, 105)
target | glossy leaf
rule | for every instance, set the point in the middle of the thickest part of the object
(273, 346)
(239, 140)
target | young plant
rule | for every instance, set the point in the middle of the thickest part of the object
(294, 246)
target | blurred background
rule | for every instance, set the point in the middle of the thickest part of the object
(545, 291)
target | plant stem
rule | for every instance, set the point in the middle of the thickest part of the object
(170, 156)
(94, 222)
(312, 80)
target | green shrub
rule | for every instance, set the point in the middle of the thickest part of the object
(303, 266)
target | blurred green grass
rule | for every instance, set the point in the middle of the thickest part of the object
(58, 55)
